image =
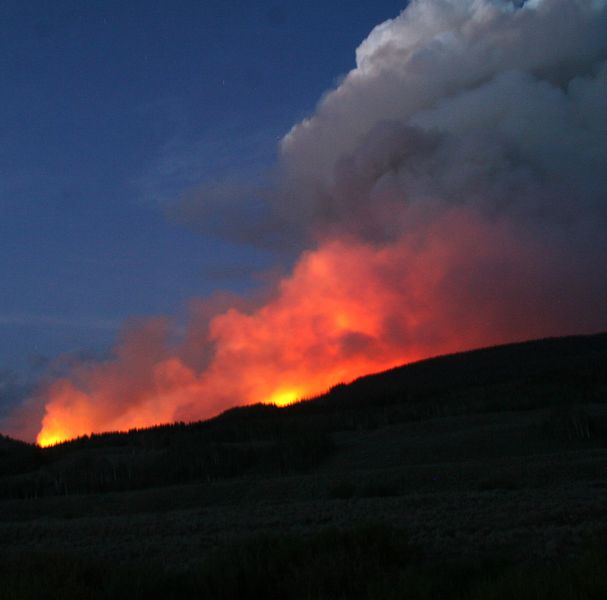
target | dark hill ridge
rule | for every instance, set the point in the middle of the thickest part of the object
(571, 361)
(577, 362)
(496, 454)
(264, 439)
(8, 444)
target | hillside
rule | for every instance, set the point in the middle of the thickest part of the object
(261, 438)
(500, 452)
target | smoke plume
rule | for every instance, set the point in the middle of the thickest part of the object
(453, 192)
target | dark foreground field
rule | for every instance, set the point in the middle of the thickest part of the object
(482, 475)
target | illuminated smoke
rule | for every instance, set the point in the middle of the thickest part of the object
(454, 186)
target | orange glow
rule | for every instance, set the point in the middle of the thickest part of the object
(347, 309)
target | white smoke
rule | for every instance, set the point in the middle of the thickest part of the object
(462, 100)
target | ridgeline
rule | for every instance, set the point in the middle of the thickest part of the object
(555, 373)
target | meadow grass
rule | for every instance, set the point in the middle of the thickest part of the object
(368, 561)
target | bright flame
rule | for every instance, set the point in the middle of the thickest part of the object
(349, 308)
(45, 440)
(284, 397)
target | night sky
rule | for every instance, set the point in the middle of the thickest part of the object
(112, 111)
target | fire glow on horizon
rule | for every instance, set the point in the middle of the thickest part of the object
(348, 309)
(454, 184)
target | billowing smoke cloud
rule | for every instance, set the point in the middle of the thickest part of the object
(454, 189)
(508, 105)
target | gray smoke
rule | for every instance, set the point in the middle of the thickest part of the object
(461, 101)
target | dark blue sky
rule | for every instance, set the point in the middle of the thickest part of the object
(110, 111)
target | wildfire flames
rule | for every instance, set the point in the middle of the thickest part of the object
(454, 186)
(348, 309)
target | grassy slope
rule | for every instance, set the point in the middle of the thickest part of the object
(458, 458)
